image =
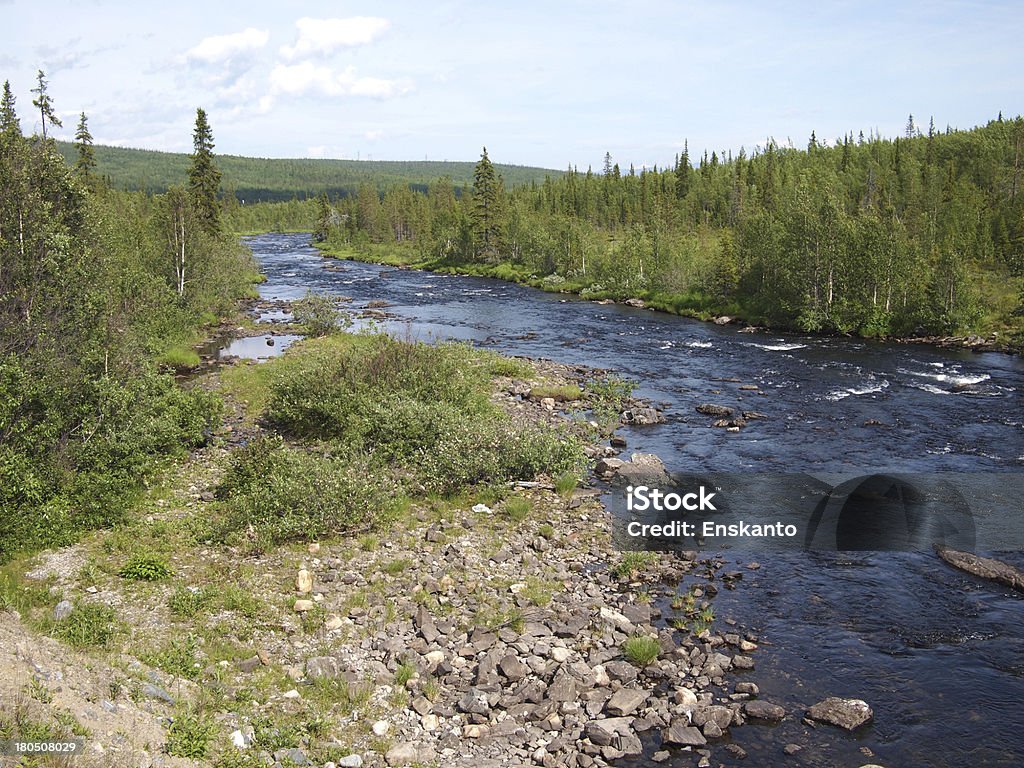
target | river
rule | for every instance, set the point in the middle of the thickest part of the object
(939, 655)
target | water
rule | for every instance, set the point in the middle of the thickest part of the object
(938, 654)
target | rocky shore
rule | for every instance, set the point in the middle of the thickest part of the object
(485, 633)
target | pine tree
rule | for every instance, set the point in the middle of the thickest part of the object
(44, 104)
(86, 162)
(486, 207)
(204, 177)
(9, 124)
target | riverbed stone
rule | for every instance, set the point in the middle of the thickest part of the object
(625, 701)
(845, 713)
(679, 733)
(763, 710)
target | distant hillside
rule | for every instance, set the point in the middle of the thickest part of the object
(259, 179)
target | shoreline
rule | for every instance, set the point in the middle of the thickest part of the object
(507, 273)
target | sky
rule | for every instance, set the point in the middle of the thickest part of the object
(549, 84)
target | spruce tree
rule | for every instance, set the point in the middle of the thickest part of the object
(44, 104)
(487, 189)
(86, 162)
(9, 124)
(204, 177)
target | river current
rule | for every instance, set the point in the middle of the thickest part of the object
(938, 654)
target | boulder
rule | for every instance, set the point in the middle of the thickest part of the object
(682, 735)
(845, 713)
(763, 710)
(625, 701)
(711, 409)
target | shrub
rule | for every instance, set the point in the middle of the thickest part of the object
(641, 650)
(145, 567)
(318, 314)
(284, 494)
(190, 734)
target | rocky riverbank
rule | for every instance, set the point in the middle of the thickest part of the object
(493, 629)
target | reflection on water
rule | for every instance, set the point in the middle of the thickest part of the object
(258, 347)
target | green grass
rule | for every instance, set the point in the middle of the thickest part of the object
(179, 357)
(566, 483)
(190, 734)
(90, 625)
(632, 564)
(559, 392)
(518, 509)
(641, 650)
(145, 566)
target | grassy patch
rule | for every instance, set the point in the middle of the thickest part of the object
(190, 734)
(641, 650)
(517, 509)
(632, 564)
(90, 625)
(145, 566)
(562, 393)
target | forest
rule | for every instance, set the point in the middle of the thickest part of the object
(259, 179)
(922, 234)
(102, 295)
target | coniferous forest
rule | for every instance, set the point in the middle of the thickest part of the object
(102, 295)
(922, 234)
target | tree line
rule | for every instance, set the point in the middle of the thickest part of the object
(102, 294)
(920, 234)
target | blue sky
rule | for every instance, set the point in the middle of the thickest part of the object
(540, 83)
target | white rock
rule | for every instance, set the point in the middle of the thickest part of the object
(430, 722)
(292, 694)
(481, 509)
(301, 606)
(381, 727)
(304, 582)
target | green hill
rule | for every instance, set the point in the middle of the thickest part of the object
(256, 179)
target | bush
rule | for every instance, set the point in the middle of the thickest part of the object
(318, 314)
(190, 734)
(145, 567)
(284, 494)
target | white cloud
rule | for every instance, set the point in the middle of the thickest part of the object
(321, 36)
(306, 77)
(223, 48)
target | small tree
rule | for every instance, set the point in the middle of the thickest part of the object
(86, 162)
(9, 123)
(44, 104)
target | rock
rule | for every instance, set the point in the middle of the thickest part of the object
(548, 403)
(748, 688)
(62, 610)
(603, 732)
(151, 691)
(622, 671)
(685, 698)
(661, 756)
(334, 621)
(617, 620)
(642, 416)
(763, 710)
(241, 739)
(985, 567)
(301, 606)
(712, 730)
(562, 688)
(845, 713)
(430, 722)
(403, 753)
(617, 441)
(710, 409)
(304, 582)
(292, 694)
(481, 509)
(349, 761)
(250, 664)
(512, 668)
(293, 756)
(682, 735)
(424, 622)
(474, 731)
(321, 666)
(608, 466)
(723, 320)
(791, 749)
(638, 303)
(625, 701)
(474, 701)
(381, 728)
